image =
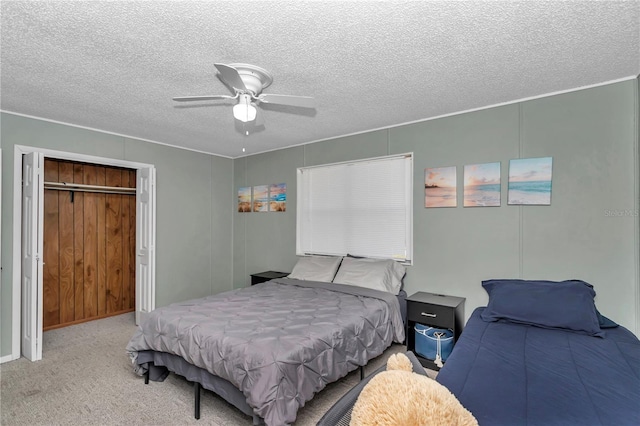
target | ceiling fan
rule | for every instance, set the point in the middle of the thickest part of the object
(247, 81)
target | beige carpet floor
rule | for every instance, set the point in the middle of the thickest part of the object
(85, 378)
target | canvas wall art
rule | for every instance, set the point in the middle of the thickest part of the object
(482, 185)
(278, 197)
(244, 199)
(440, 187)
(261, 198)
(530, 181)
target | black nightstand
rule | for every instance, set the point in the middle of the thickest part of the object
(261, 277)
(435, 310)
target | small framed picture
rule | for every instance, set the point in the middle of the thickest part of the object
(261, 198)
(482, 185)
(440, 187)
(278, 197)
(530, 181)
(244, 199)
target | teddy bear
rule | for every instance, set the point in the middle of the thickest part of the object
(400, 397)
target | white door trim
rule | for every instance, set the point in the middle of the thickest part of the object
(19, 151)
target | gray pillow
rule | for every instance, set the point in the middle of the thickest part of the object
(378, 274)
(316, 268)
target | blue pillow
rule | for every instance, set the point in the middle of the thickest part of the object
(566, 305)
(604, 321)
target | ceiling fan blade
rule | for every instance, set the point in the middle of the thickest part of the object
(231, 76)
(295, 101)
(201, 98)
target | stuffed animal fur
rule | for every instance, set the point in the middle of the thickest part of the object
(399, 397)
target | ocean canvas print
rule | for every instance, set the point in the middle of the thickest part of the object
(278, 197)
(440, 187)
(244, 199)
(530, 181)
(482, 185)
(261, 198)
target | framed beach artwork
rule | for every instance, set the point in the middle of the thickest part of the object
(440, 187)
(482, 185)
(530, 181)
(244, 199)
(278, 197)
(261, 198)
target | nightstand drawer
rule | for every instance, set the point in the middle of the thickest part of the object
(435, 315)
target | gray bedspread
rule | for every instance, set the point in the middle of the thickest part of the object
(279, 342)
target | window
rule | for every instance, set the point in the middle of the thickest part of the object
(363, 208)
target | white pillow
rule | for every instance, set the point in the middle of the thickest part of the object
(316, 268)
(384, 275)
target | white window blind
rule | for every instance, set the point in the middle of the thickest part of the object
(362, 208)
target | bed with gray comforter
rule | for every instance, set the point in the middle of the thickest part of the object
(278, 342)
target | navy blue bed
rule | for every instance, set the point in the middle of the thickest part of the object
(516, 374)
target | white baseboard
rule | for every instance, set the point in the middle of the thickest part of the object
(8, 358)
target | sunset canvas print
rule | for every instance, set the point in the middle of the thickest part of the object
(440, 187)
(530, 181)
(278, 197)
(482, 185)
(261, 198)
(244, 199)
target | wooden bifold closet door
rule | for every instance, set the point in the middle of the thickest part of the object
(89, 245)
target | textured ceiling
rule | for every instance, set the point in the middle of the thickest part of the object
(114, 66)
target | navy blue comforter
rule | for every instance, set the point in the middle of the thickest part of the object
(511, 374)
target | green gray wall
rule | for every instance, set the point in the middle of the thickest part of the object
(194, 213)
(205, 247)
(592, 136)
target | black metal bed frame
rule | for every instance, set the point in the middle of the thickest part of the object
(197, 386)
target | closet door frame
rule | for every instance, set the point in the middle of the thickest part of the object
(145, 260)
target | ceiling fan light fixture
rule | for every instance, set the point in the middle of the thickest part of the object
(244, 110)
(246, 82)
